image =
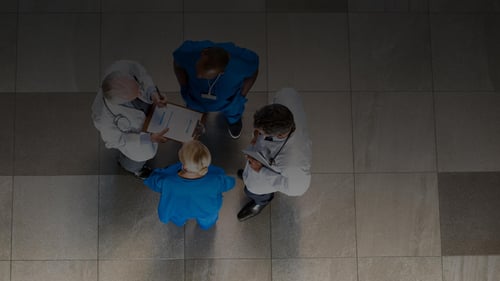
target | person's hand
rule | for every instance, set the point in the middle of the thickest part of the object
(158, 137)
(254, 164)
(159, 100)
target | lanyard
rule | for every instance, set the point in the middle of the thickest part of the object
(210, 87)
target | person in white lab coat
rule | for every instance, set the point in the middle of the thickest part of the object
(279, 158)
(119, 110)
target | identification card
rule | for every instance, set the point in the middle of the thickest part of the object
(208, 96)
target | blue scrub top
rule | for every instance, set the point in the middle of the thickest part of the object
(182, 199)
(243, 63)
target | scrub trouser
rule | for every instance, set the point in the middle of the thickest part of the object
(129, 164)
(232, 112)
(259, 199)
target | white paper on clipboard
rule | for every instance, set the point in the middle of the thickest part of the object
(257, 155)
(181, 122)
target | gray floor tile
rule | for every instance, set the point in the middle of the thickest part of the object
(228, 270)
(468, 6)
(320, 223)
(467, 131)
(7, 107)
(400, 269)
(230, 238)
(57, 131)
(397, 215)
(52, 6)
(471, 268)
(144, 270)
(330, 129)
(224, 6)
(339, 269)
(393, 132)
(465, 52)
(390, 52)
(8, 6)
(162, 34)
(320, 64)
(307, 6)
(5, 271)
(5, 218)
(246, 30)
(388, 6)
(55, 218)
(143, 6)
(129, 227)
(58, 53)
(54, 270)
(8, 45)
(470, 213)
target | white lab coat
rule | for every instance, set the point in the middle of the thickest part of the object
(291, 173)
(136, 145)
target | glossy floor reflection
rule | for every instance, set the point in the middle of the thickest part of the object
(402, 103)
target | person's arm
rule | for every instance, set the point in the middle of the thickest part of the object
(248, 83)
(292, 181)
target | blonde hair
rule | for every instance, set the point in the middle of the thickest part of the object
(195, 157)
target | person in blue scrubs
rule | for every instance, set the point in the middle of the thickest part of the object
(191, 188)
(216, 77)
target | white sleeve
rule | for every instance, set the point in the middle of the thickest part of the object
(292, 181)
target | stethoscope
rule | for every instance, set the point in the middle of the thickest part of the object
(119, 120)
(271, 160)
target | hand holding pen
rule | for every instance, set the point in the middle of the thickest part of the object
(159, 99)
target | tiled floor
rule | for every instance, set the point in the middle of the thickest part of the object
(403, 108)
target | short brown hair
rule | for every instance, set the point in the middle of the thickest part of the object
(274, 119)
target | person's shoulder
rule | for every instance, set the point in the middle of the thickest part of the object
(239, 52)
(194, 46)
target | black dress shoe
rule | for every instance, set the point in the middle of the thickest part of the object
(250, 210)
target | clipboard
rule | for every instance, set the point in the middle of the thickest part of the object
(181, 121)
(257, 155)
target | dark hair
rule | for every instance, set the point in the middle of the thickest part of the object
(274, 119)
(217, 58)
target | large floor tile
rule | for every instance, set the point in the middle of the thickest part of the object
(467, 6)
(320, 223)
(325, 269)
(54, 270)
(145, 6)
(160, 33)
(57, 6)
(399, 269)
(226, 152)
(230, 238)
(5, 218)
(55, 218)
(129, 227)
(8, 6)
(57, 131)
(7, 116)
(302, 57)
(470, 213)
(246, 30)
(467, 131)
(228, 270)
(397, 215)
(5, 271)
(390, 52)
(224, 6)
(471, 268)
(466, 52)
(307, 6)
(144, 270)
(330, 129)
(388, 6)
(8, 45)
(58, 53)
(393, 132)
